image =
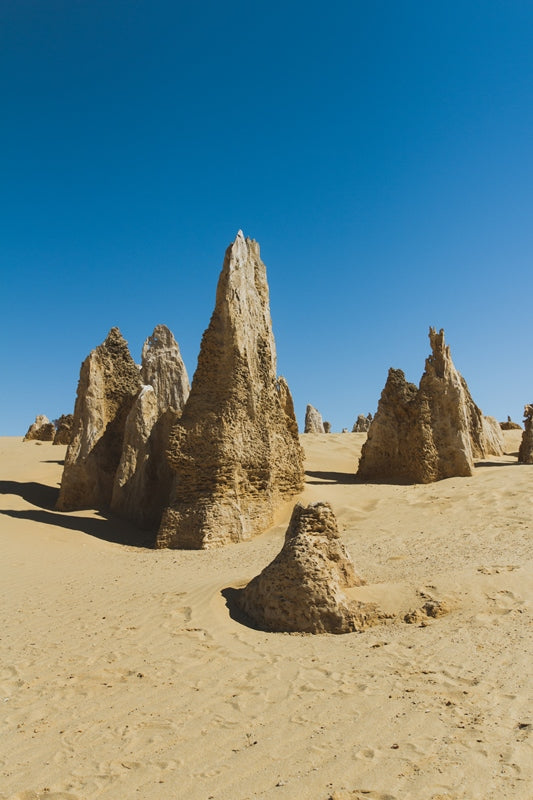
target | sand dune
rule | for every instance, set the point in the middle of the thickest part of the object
(125, 674)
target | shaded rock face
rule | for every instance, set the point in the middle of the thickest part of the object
(362, 424)
(143, 480)
(108, 385)
(63, 426)
(313, 421)
(42, 430)
(163, 369)
(426, 434)
(327, 427)
(232, 450)
(509, 425)
(525, 451)
(303, 588)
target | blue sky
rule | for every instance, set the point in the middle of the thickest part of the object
(380, 152)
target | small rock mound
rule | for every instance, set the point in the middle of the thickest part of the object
(302, 589)
(313, 421)
(509, 425)
(42, 430)
(525, 452)
(327, 426)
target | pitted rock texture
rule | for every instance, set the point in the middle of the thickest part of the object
(108, 385)
(63, 426)
(163, 368)
(234, 456)
(426, 434)
(143, 480)
(42, 430)
(362, 424)
(313, 421)
(304, 588)
(525, 452)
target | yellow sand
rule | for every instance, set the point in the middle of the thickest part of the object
(122, 674)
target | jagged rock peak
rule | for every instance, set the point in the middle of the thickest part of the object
(303, 588)
(362, 423)
(42, 430)
(433, 432)
(313, 421)
(109, 382)
(525, 452)
(163, 368)
(63, 434)
(232, 450)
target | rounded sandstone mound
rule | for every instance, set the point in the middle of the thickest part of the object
(301, 590)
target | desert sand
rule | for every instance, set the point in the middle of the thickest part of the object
(125, 672)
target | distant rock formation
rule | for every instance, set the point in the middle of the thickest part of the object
(143, 480)
(41, 430)
(108, 385)
(233, 450)
(327, 426)
(287, 404)
(362, 424)
(510, 425)
(313, 421)
(525, 452)
(303, 588)
(63, 429)
(426, 434)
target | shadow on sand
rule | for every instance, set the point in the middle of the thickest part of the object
(331, 477)
(495, 464)
(231, 596)
(109, 529)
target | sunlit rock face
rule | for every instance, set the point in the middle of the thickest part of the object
(313, 421)
(42, 430)
(426, 434)
(233, 452)
(108, 385)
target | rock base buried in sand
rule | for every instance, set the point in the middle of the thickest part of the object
(302, 589)
(42, 430)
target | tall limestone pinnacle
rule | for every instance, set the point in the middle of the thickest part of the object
(233, 450)
(108, 385)
(163, 369)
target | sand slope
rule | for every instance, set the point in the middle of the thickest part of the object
(123, 675)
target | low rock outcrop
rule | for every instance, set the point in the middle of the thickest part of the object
(525, 452)
(42, 430)
(143, 480)
(232, 451)
(509, 425)
(303, 588)
(63, 429)
(108, 385)
(426, 434)
(313, 421)
(362, 424)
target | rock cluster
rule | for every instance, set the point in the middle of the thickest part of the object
(304, 588)
(41, 430)
(525, 452)
(143, 479)
(63, 426)
(362, 423)
(108, 385)
(433, 432)
(313, 421)
(234, 450)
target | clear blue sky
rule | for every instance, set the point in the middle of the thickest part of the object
(380, 152)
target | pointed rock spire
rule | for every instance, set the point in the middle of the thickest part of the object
(233, 454)
(163, 368)
(313, 421)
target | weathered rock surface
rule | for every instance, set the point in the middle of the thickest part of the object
(63, 429)
(163, 368)
(426, 434)
(303, 588)
(287, 404)
(41, 430)
(313, 421)
(525, 452)
(108, 385)
(362, 423)
(233, 453)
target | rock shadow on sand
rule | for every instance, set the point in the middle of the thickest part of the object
(231, 596)
(37, 494)
(108, 529)
(330, 477)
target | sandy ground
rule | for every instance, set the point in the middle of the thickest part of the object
(123, 673)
